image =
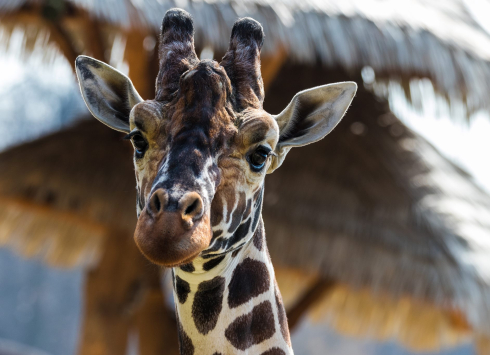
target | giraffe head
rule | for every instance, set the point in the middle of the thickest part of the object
(203, 146)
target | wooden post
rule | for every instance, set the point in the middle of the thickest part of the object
(155, 322)
(107, 321)
(270, 66)
(139, 60)
(121, 295)
(304, 303)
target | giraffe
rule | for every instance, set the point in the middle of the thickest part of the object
(202, 149)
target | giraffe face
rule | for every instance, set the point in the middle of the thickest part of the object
(198, 165)
(204, 145)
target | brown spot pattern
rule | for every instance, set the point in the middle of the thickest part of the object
(185, 343)
(258, 238)
(182, 289)
(252, 328)
(250, 279)
(274, 351)
(212, 263)
(187, 267)
(281, 314)
(207, 304)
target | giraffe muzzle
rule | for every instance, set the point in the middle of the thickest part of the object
(172, 232)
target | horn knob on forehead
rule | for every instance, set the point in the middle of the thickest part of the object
(242, 63)
(176, 51)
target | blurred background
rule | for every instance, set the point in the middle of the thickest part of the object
(380, 234)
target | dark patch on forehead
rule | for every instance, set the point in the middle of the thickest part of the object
(202, 88)
(252, 328)
(187, 157)
(185, 343)
(281, 314)
(274, 351)
(212, 263)
(207, 304)
(239, 234)
(182, 289)
(187, 267)
(250, 279)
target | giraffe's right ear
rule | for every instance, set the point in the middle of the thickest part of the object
(310, 116)
(108, 94)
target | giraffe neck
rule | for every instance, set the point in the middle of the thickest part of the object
(234, 306)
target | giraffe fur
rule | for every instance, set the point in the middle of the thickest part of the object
(202, 149)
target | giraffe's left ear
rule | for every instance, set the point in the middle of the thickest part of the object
(108, 94)
(310, 116)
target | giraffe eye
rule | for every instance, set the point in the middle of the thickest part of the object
(140, 145)
(258, 158)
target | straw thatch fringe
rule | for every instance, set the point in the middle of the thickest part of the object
(58, 239)
(59, 194)
(398, 39)
(417, 325)
(361, 313)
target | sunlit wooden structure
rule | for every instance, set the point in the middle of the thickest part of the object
(371, 228)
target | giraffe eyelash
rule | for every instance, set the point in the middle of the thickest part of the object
(131, 134)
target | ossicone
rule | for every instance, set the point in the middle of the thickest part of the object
(177, 22)
(176, 52)
(247, 30)
(242, 63)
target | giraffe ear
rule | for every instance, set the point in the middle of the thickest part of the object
(310, 116)
(108, 94)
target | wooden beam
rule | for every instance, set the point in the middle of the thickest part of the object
(106, 323)
(93, 38)
(139, 61)
(60, 37)
(270, 66)
(57, 34)
(47, 212)
(155, 322)
(122, 295)
(304, 303)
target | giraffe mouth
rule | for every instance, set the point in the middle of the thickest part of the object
(165, 241)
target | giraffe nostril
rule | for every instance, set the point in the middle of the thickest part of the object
(157, 201)
(191, 206)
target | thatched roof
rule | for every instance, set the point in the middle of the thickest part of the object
(373, 206)
(60, 194)
(376, 207)
(399, 39)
